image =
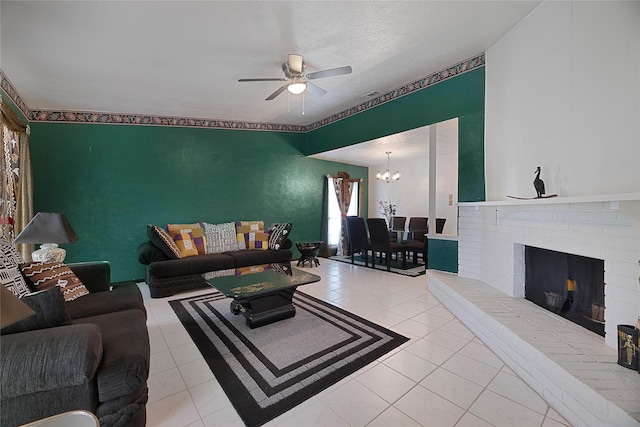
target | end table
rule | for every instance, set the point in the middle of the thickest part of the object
(309, 252)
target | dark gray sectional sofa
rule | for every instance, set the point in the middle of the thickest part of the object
(94, 356)
(167, 276)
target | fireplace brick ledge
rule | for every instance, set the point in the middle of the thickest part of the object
(619, 197)
(570, 367)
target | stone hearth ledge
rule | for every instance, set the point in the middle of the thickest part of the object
(570, 367)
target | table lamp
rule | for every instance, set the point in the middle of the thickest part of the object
(49, 229)
(12, 309)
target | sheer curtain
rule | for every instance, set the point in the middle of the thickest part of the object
(16, 187)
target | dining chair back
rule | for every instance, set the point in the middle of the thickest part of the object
(380, 242)
(417, 227)
(396, 233)
(358, 239)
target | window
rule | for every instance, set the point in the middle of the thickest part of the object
(334, 215)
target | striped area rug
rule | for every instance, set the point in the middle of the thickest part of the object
(268, 370)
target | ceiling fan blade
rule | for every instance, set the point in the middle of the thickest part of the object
(275, 79)
(296, 64)
(315, 89)
(276, 93)
(329, 73)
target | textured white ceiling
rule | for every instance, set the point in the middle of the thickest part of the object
(183, 58)
(407, 145)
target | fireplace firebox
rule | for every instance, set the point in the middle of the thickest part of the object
(572, 286)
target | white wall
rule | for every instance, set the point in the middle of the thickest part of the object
(563, 93)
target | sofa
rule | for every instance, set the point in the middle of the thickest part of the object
(177, 255)
(90, 353)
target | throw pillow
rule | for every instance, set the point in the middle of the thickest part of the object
(244, 229)
(43, 276)
(163, 241)
(50, 311)
(257, 240)
(220, 237)
(188, 237)
(278, 233)
(10, 276)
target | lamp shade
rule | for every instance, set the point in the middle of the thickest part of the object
(12, 309)
(47, 227)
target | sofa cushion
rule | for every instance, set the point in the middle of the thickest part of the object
(10, 276)
(125, 361)
(50, 309)
(220, 237)
(163, 241)
(43, 275)
(123, 296)
(189, 238)
(189, 266)
(278, 234)
(247, 258)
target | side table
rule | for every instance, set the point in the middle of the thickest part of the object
(309, 252)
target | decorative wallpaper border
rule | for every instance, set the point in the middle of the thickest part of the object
(146, 120)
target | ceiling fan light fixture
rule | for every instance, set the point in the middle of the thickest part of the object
(297, 88)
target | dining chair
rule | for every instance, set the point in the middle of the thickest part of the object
(418, 225)
(358, 240)
(416, 243)
(397, 228)
(379, 237)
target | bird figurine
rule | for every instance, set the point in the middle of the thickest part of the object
(538, 183)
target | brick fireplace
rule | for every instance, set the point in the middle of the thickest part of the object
(570, 366)
(493, 236)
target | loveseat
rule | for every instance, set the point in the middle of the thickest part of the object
(219, 248)
(90, 353)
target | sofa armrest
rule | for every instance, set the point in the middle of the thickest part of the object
(95, 275)
(49, 359)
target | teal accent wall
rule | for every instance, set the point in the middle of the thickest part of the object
(443, 255)
(456, 97)
(471, 179)
(113, 180)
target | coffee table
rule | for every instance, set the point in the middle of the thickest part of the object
(263, 293)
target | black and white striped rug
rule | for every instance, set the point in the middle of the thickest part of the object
(268, 370)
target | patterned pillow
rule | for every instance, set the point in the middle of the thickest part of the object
(163, 241)
(278, 233)
(220, 237)
(10, 276)
(257, 240)
(189, 238)
(245, 232)
(43, 276)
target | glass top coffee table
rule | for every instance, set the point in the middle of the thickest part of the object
(262, 293)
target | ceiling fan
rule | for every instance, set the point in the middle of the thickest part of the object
(297, 80)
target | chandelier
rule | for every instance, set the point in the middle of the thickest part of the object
(386, 176)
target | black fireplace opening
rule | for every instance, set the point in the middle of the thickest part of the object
(571, 286)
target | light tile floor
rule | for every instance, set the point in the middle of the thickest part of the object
(444, 376)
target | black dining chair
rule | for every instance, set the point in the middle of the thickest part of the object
(358, 240)
(379, 238)
(397, 228)
(416, 243)
(418, 225)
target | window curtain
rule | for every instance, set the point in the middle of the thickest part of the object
(343, 188)
(325, 250)
(16, 187)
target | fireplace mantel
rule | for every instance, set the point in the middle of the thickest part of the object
(620, 197)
